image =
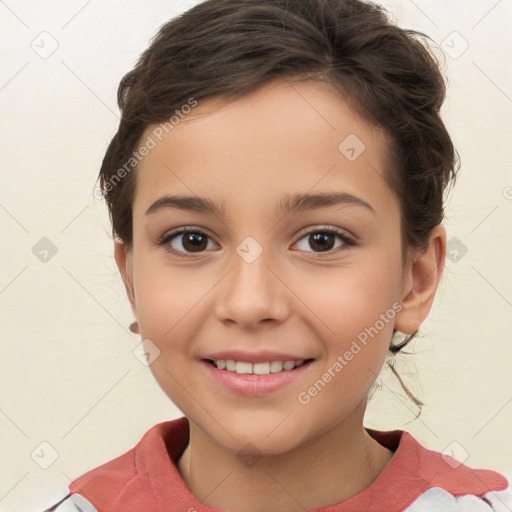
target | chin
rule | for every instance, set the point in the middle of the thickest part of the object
(257, 437)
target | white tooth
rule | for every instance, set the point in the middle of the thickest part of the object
(257, 368)
(276, 366)
(243, 367)
(261, 368)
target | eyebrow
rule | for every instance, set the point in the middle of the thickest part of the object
(292, 203)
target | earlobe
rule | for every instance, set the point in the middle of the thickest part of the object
(424, 272)
(124, 263)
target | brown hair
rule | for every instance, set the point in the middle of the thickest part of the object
(229, 48)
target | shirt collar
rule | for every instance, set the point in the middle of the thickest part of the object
(412, 470)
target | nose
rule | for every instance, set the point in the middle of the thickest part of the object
(253, 293)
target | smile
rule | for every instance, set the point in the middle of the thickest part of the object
(256, 379)
(263, 368)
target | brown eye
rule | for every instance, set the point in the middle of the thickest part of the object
(186, 241)
(324, 241)
(194, 242)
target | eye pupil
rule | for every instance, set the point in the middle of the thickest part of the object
(319, 239)
(197, 241)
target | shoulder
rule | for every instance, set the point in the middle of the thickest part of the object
(72, 503)
(434, 481)
(100, 489)
(97, 487)
(440, 500)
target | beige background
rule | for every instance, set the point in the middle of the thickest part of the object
(68, 373)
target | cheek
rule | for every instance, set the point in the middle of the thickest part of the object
(355, 315)
(354, 311)
(349, 300)
(169, 303)
(168, 298)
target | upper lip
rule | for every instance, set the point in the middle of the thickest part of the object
(254, 357)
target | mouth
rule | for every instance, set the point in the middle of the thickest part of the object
(257, 380)
(257, 368)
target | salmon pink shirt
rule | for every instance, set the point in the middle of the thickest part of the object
(146, 479)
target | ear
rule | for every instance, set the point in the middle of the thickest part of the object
(421, 279)
(124, 260)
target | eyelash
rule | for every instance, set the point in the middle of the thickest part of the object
(347, 241)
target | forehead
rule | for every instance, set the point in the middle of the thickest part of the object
(284, 137)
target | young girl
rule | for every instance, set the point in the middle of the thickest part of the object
(276, 194)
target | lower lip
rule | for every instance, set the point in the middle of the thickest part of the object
(256, 385)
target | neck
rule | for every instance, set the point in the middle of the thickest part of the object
(330, 469)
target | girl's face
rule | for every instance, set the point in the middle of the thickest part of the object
(323, 280)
